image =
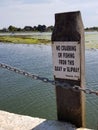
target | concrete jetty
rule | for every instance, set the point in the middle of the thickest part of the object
(11, 121)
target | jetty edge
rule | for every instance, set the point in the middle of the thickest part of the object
(11, 121)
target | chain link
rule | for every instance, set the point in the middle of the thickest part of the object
(46, 80)
(86, 91)
(27, 74)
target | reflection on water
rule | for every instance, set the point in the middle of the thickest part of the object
(23, 95)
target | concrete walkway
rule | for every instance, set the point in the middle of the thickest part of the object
(10, 121)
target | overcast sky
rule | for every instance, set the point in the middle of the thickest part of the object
(20, 13)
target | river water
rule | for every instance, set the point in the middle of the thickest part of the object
(23, 95)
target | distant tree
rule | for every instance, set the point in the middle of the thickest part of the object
(49, 28)
(95, 28)
(41, 28)
(91, 29)
(4, 30)
(12, 28)
(19, 30)
(35, 28)
(28, 28)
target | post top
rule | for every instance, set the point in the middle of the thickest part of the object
(72, 12)
(68, 27)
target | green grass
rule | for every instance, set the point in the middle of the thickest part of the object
(23, 40)
(91, 40)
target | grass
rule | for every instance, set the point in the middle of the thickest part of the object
(91, 40)
(23, 40)
(91, 46)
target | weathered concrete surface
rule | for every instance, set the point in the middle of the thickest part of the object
(10, 121)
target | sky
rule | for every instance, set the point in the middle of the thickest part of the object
(22, 13)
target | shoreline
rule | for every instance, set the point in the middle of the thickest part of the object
(26, 39)
(23, 40)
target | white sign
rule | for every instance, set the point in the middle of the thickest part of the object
(66, 60)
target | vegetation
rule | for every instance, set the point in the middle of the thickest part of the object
(22, 40)
(91, 46)
(91, 29)
(25, 39)
(40, 28)
(91, 40)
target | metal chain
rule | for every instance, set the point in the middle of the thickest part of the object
(27, 74)
(86, 91)
(46, 80)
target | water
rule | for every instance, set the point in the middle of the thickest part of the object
(92, 83)
(23, 95)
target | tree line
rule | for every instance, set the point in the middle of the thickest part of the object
(91, 29)
(39, 28)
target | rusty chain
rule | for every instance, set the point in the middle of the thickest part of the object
(46, 80)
